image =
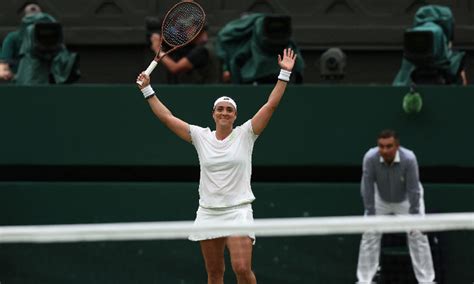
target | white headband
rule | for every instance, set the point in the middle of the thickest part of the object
(227, 100)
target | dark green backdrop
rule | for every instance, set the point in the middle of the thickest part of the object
(93, 125)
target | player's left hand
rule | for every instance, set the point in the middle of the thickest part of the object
(288, 60)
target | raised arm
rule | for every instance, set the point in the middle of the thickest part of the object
(262, 117)
(175, 124)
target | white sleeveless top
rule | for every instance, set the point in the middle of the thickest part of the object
(226, 166)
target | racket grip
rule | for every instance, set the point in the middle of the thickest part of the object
(151, 67)
(148, 71)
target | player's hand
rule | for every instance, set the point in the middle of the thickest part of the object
(145, 79)
(287, 62)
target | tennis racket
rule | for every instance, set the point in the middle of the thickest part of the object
(181, 24)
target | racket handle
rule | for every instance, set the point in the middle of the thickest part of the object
(148, 71)
(151, 67)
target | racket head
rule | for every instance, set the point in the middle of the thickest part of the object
(182, 23)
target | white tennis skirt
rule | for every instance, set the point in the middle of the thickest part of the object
(240, 214)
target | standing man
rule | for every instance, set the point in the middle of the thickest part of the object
(390, 185)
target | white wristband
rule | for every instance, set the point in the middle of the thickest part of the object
(284, 75)
(148, 91)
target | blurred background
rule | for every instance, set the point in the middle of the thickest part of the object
(110, 36)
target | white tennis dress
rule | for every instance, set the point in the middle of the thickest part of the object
(224, 185)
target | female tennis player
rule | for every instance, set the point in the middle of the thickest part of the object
(225, 162)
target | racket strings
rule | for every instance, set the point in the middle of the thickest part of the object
(183, 23)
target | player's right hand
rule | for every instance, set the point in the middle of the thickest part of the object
(144, 79)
